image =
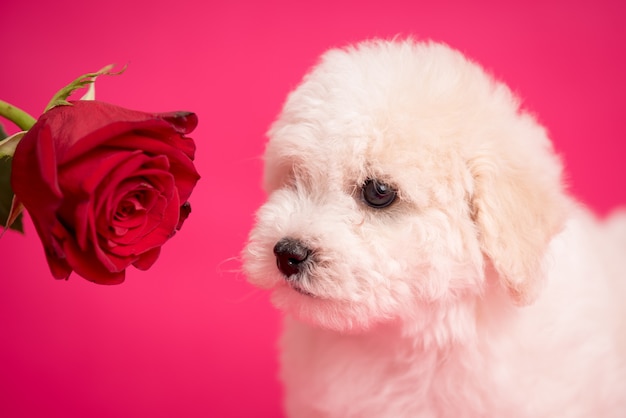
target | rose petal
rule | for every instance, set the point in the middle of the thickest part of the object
(160, 225)
(122, 255)
(55, 254)
(160, 219)
(98, 214)
(181, 166)
(72, 258)
(120, 180)
(79, 181)
(147, 259)
(87, 265)
(125, 249)
(183, 122)
(107, 121)
(148, 184)
(34, 181)
(76, 134)
(142, 224)
(139, 166)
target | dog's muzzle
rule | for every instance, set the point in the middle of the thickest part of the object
(291, 256)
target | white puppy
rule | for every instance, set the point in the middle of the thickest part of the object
(419, 238)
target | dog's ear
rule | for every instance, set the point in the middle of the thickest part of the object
(518, 204)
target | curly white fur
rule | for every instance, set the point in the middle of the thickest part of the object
(482, 291)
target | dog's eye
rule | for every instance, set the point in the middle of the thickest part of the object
(376, 194)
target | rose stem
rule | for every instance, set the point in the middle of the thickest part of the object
(16, 115)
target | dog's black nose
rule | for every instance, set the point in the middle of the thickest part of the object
(291, 256)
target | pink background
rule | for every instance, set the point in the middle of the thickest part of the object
(190, 338)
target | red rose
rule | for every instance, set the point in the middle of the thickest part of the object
(105, 187)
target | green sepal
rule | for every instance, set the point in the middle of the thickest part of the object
(60, 98)
(10, 216)
(10, 210)
(9, 143)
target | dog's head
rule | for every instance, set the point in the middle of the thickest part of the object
(399, 173)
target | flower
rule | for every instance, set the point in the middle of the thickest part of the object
(105, 186)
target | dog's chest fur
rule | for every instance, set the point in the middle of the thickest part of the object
(382, 376)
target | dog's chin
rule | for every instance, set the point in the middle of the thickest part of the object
(320, 311)
(298, 288)
(293, 289)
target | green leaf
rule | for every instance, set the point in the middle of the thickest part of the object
(60, 98)
(6, 197)
(3, 133)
